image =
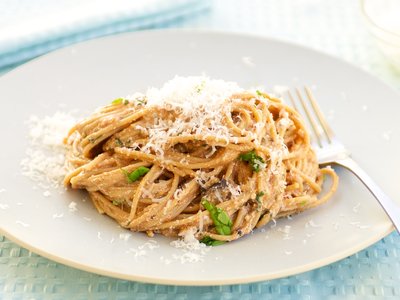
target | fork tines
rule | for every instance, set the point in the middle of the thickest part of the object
(314, 116)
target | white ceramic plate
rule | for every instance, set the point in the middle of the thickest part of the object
(363, 111)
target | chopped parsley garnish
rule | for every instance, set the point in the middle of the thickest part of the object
(259, 93)
(141, 101)
(120, 101)
(92, 139)
(119, 142)
(258, 199)
(200, 87)
(117, 101)
(135, 175)
(222, 221)
(209, 241)
(116, 202)
(302, 203)
(256, 162)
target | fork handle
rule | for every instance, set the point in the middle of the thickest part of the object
(391, 208)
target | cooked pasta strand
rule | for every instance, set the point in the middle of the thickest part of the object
(149, 164)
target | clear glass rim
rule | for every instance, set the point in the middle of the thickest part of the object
(372, 22)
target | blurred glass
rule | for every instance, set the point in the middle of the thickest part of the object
(383, 21)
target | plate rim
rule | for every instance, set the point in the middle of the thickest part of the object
(241, 280)
(205, 31)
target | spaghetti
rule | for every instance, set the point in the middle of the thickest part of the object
(197, 155)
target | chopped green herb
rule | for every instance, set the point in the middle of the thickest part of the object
(258, 199)
(117, 101)
(222, 221)
(120, 101)
(256, 162)
(302, 203)
(116, 202)
(259, 93)
(200, 87)
(210, 241)
(135, 175)
(119, 142)
(92, 139)
(259, 195)
(141, 101)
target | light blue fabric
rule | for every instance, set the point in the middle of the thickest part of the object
(370, 274)
(13, 51)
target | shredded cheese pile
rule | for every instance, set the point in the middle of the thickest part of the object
(45, 156)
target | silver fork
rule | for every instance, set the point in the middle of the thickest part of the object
(330, 150)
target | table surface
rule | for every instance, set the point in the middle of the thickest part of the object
(332, 26)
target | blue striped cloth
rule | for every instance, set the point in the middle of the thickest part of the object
(32, 28)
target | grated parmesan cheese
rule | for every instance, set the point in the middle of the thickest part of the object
(364, 226)
(211, 153)
(72, 206)
(356, 207)
(273, 225)
(23, 224)
(58, 216)
(125, 236)
(45, 155)
(4, 206)
(192, 92)
(151, 244)
(165, 260)
(137, 252)
(201, 106)
(248, 61)
(387, 135)
(192, 250)
(142, 249)
(235, 190)
(286, 232)
(201, 178)
(335, 226)
(312, 224)
(177, 193)
(280, 90)
(354, 223)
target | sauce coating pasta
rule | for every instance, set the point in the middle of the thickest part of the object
(215, 159)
